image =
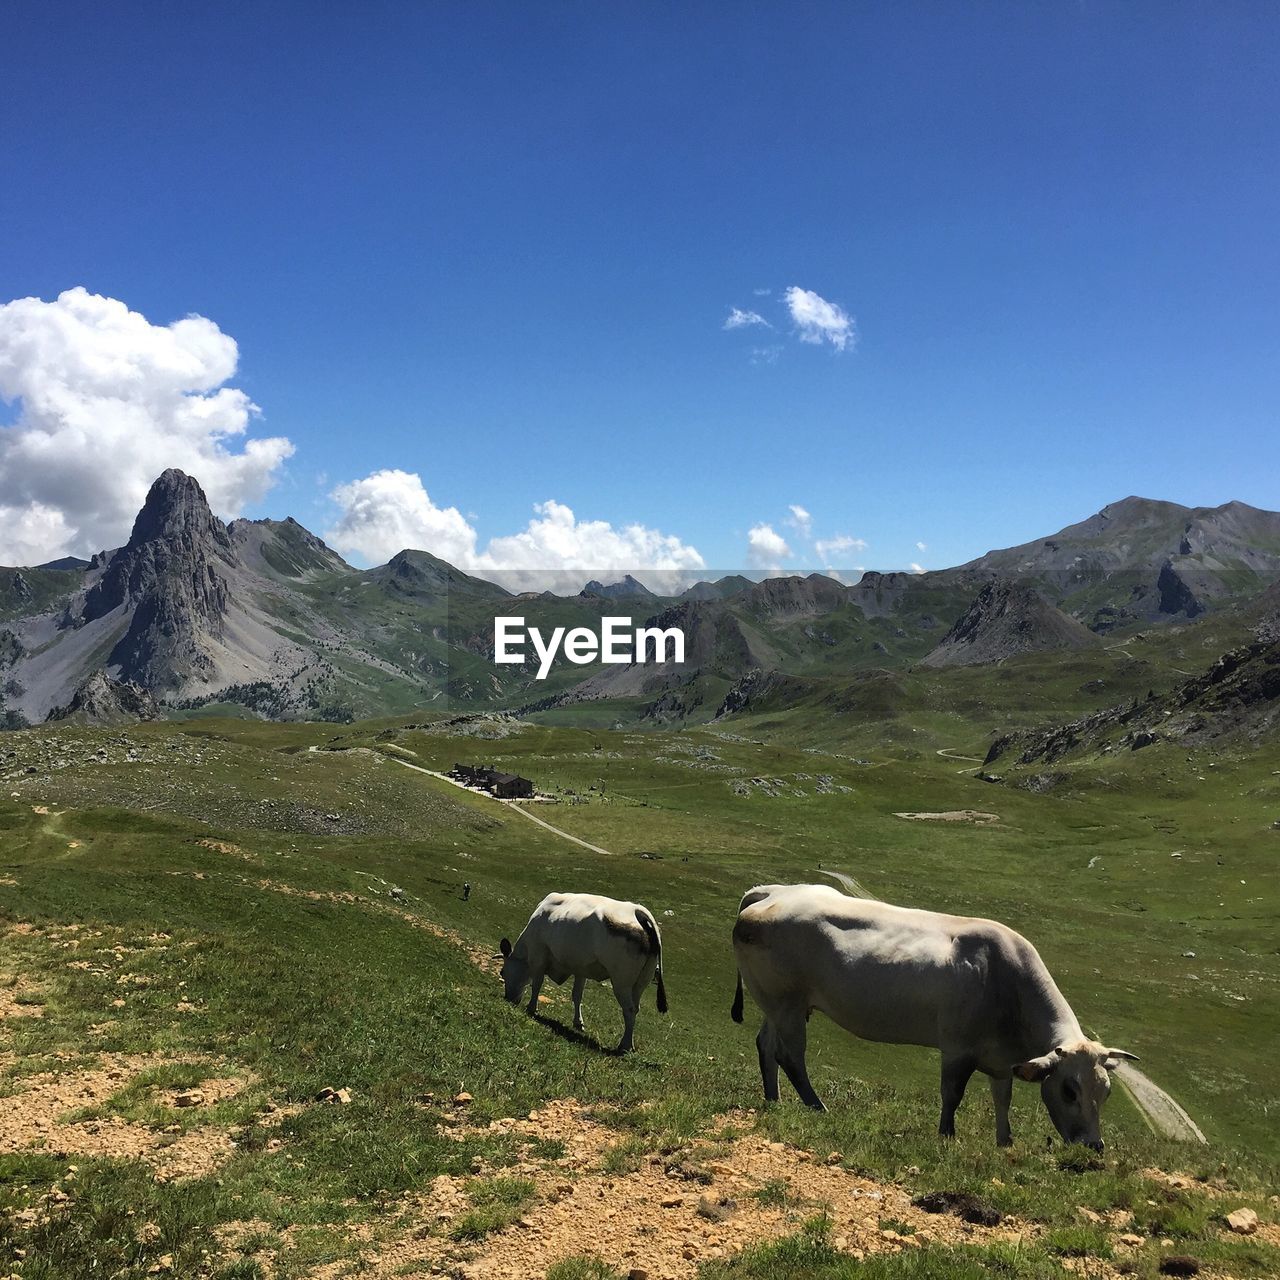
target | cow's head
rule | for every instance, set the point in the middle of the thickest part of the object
(515, 972)
(1075, 1080)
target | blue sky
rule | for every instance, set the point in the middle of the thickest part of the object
(496, 246)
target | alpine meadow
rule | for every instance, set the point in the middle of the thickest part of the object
(581, 697)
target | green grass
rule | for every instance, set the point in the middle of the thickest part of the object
(498, 1203)
(298, 969)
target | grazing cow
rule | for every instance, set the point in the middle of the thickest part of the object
(973, 989)
(582, 935)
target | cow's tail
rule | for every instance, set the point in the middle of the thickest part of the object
(736, 1012)
(650, 928)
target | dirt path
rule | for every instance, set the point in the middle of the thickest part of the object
(510, 805)
(952, 754)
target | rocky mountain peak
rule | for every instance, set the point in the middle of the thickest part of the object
(1005, 619)
(176, 511)
(171, 575)
(621, 590)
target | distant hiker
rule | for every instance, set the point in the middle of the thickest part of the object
(466, 890)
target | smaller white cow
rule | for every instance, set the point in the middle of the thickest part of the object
(584, 936)
(974, 989)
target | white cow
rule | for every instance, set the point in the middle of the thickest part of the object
(582, 935)
(974, 989)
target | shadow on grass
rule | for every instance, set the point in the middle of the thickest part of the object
(574, 1037)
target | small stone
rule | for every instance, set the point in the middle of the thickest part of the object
(673, 1202)
(1130, 1240)
(1244, 1222)
(189, 1098)
(462, 1099)
(637, 1273)
(834, 1158)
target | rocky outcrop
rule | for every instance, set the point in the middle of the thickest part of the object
(172, 577)
(626, 589)
(103, 701)
(1239, 693)
(779, 597)
(1005, 620)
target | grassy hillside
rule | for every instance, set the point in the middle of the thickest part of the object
(209, 905)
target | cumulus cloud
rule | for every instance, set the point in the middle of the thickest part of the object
(818, 321)
(920, 546)
(800, 519)
(106, 401)
(841, 544)
(389, 511)
(766, 548)
(739, 319)
(916, 568)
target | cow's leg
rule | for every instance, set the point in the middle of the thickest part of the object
(1001, 1095)
(955, 1078)
(626, 1000)
(535, 989)
(790, 1037)
(768, 1062)
(579, 986)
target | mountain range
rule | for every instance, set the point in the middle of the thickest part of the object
(262, 616)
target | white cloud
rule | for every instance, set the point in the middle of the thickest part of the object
(800, 519)
(766, 548)
(108, 400)
(842, 543)
(916, 568)
(818, 321)
(739, 319)
(766, 355)
(762, 293)
(920, 546)
(555, 539)
(389, 511)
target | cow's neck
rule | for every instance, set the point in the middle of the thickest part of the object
(1047, 1018)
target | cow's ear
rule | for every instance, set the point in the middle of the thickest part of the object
(1111, 1058)
(1035, 1068)
(505, 946)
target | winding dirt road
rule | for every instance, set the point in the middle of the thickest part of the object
(508, 804)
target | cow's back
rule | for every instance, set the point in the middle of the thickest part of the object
(881, 972)
(588, 934)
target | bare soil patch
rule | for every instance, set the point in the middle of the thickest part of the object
(39, 1116)
(677, 1209)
